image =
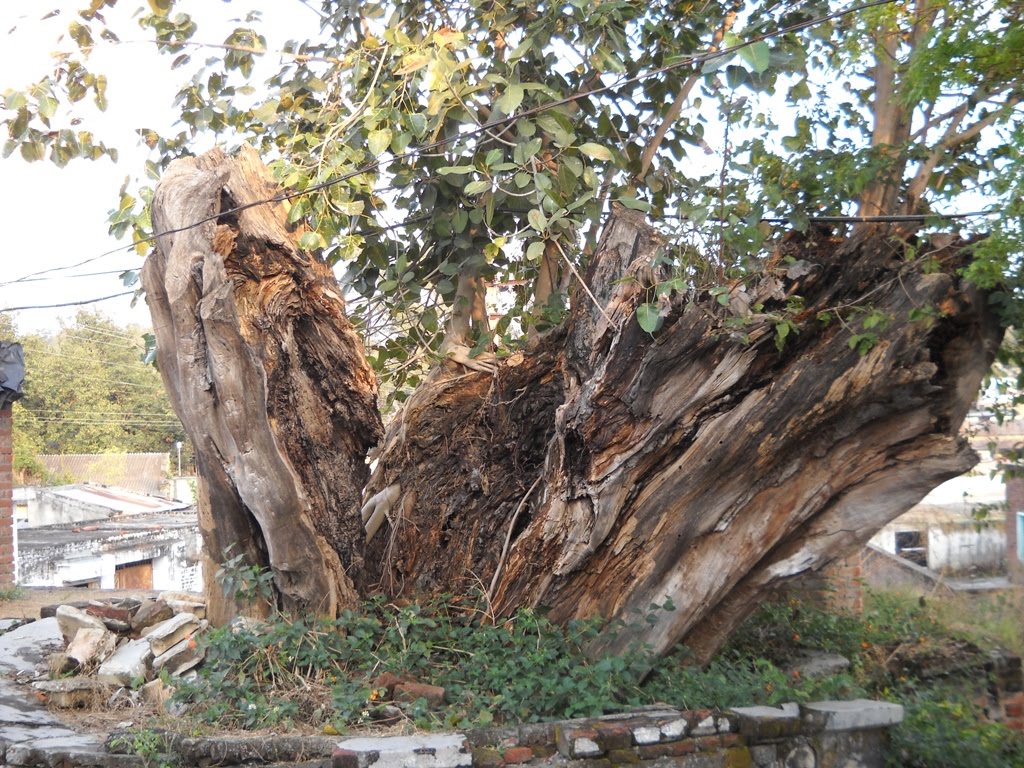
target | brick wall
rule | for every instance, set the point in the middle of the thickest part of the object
(6, 500)
(1014, 504)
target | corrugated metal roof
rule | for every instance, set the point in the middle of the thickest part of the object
(141, 472)
(117, 500)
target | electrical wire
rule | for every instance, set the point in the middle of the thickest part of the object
(683, 63)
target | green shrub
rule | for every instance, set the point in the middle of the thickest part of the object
(942, 729)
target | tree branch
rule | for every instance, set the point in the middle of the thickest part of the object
(684, 93)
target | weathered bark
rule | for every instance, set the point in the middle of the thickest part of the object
(600, 470)
(268, 377)
(700, 465)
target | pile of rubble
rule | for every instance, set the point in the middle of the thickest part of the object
(123, 648)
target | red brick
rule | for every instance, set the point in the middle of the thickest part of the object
(518, 755)
(670, 749)
(614, 736)
(1014, 707)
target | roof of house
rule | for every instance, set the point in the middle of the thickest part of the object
(119, 528)
(139, 472)
(117, 500)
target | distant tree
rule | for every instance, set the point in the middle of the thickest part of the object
(88, 390)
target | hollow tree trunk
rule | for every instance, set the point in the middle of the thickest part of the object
(268, 377)
(599, 471)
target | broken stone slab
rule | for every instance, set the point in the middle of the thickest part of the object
(818, 664)
(50, 611)
(71, 619)
(441, 750)
(117, 611)
(151, 612)
(6, 625)
(184, 655)
(859, 714)
(24, 648)
(90, 647)
(185, 602)
(73, 692)
(78, 751)
(167, 633)
(129, 662)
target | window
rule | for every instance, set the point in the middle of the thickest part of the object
(909, 545)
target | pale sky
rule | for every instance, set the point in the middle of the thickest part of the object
(54, 217)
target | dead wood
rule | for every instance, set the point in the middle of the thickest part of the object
(596, 472)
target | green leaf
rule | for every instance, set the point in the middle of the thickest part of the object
(537, 220)
(476, 187)
(757, 55)
(310, 241)
(378, 141)
(160, 7)
(595, 151)
(648, 316)
(15, 100)
(455, 170)
(535, 251)
(47, 106)
(629, 201)
(511, 99)
(735, 75)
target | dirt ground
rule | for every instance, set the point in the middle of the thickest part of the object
(28, 601)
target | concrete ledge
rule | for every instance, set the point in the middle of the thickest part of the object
(859, 714)
(443, 750)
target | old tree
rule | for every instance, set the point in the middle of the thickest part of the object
(670, 303)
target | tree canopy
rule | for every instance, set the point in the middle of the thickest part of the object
(431, 150)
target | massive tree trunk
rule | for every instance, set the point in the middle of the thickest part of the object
(601, 470)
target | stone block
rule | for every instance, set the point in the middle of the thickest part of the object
(818, 664)
(768, 723)
(167, 633)
(185, 602)
(129, 662)
(577, 741)
(73, 692)
(90, 647)
(50, 611)
(858, 714)
(149, 613)
(71, 619)
(184, 655)
(646, 734)
(704, 725)
(118, 612)
(442, 750)
(674, 730)
(27, 646)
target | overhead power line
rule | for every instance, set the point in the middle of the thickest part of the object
(683, 63)
(81, 303)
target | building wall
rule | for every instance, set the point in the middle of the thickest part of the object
(960, 547)
(1014, 545)
(6, 498)
(953, 546)
(176, 564)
